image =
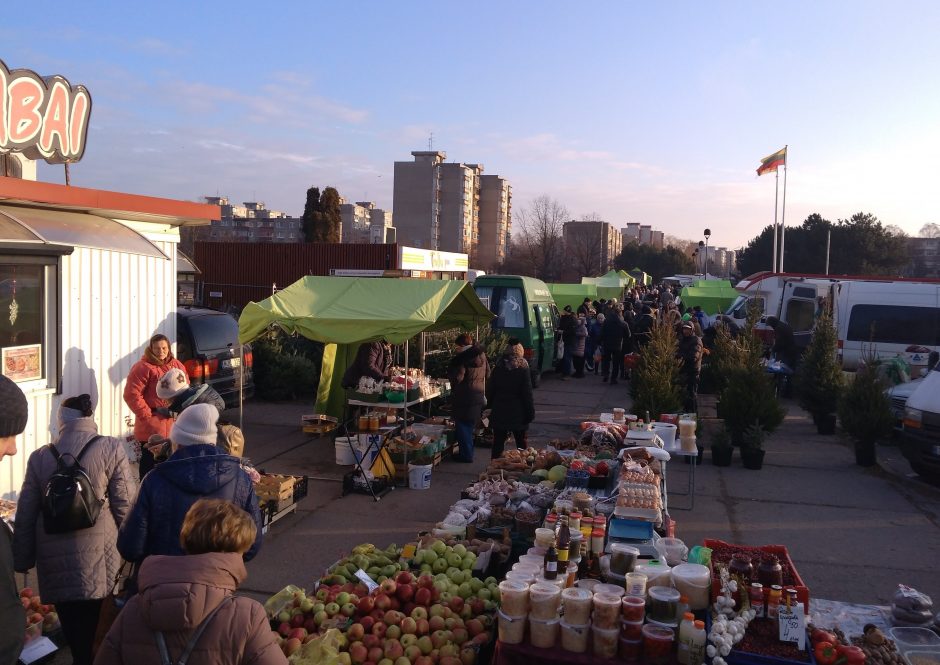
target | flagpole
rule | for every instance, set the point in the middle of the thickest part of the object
(776, 190)
(783, 210)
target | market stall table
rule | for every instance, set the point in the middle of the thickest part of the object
(677, 451)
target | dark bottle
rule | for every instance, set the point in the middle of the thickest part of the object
(563, 540)
(741, 568)
(770, 572)
(551, 563)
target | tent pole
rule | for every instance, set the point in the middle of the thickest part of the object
(241, 387)
(405, 409)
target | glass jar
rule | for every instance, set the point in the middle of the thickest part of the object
(770, 572)
(757, 599)
(740, 568)
(574, 521)
(773, 601)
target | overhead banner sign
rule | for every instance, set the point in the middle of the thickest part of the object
(43, 118)
(413, 258)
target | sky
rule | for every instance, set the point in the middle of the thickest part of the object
(657, 113)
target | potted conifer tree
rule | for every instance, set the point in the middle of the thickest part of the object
(722, 450)
(752, 447)
(819, 380)
(864, 410)
(656, 387)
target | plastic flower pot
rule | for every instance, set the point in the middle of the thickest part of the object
(752, 458)
(865, 453)
(722, 456)
(826, 423)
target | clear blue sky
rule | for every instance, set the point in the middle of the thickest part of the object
(650, 112)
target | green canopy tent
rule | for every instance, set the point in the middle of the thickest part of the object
(641, 277)
(572, 294)
(713, 299)
(343, 312)
(606, 288)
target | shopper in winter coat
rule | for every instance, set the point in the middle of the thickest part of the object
(175, 388)
(75, 570)
(373, 359)
(509, 394)
(580, 343)
(151, 415)
(644, 327)
(178, 594)
(613, 334)
(567, 325)
(195, 470)
(467, 373)
(14, 411)
(594, 341)
(690, 352)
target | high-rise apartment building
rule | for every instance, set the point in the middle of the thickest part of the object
(591, 247)
(380, 226)
(438, 205)
(460, 207)
(356, 220)
(495, 221)
(417, 198)
(630, 233)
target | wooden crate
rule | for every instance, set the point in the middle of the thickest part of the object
(274, 487)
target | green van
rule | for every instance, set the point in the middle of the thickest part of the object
(525, 309)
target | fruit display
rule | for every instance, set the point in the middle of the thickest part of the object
(40, 619)
(418, 619)
(604, 434)
(377, 564)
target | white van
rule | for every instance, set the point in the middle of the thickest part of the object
(920, 438)
(893, 317)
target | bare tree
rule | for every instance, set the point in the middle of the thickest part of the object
(540, 236)
(931, 230)
(895, 230)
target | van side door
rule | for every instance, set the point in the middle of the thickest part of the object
(799, 311)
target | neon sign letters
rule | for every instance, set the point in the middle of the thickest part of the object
(43, 118)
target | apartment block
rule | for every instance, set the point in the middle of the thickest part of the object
(630, 233)
(416, 205)
(591, 247)
(250, 222)
(380, 226)
(459, 207)
(495, 221)
(356, 221)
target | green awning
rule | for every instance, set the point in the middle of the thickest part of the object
(572, 294)
(344, 312)
(712, 299)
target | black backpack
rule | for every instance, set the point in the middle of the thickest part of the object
(69, 502)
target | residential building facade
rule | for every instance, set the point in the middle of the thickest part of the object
(495, 225)
(459, 207)
(417, 199)
(591, 247)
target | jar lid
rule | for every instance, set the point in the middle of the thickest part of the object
(597, 532)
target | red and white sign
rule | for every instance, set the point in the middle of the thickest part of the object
(43, 118)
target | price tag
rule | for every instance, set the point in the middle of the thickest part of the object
(792, 623)
(363, 576)
(36, 649)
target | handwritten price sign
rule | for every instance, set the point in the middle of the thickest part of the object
(792, 624)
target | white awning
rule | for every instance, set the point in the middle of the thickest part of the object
(42, 226)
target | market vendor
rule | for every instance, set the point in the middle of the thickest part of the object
(373, 359)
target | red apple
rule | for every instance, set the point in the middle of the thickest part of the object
(423, 660)
(366, 604)
(377, 614)
(388, 586)
(423, 597)
(355, 632)
(395, 603)
(477, 606)
(460, 635)
(480, 640)
(456, 604)
(376, 654)
(284, 628)
(367, 622)
(405, 592)
(297, 633)
(436, 623)
(297, 621)
(393, 649)
(423, 627)
(383, 602)
(379, 629)
(439, 638)
(412, 653)
(292, 645)
(26, 592)
(358, 653)
(311, 625)
(426, 581)
(393, 617)
(474, 627)
(404, 577)
(370, 640)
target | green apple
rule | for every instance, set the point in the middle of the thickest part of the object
(454, 559)
(439, 566)
(439, 547)
(484, 594)
(476, 584)
(464, 591)
(460, 549)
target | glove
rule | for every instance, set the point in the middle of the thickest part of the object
(161, 411)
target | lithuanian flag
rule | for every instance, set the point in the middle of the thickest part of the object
(770, 163)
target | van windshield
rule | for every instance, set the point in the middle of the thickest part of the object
(214, 331)
(506, 302)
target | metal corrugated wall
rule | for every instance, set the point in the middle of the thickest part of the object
(111, 303)
(246, 271)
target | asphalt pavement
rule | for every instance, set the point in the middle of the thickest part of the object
(853, 533)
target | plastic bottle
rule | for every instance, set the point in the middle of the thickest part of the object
(551, 563)
(697, 644)
(563, 540)
(685, 638)
(682, 608)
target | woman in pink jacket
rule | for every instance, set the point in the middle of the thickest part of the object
(151, 415)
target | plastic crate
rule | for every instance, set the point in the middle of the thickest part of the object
(802, 591)
(737, 657)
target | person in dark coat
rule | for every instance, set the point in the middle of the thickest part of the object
(585, 309)
(785, 348)
(613, 333)
(195, 470)
(567, 325)
(644, 327)
(373, 359)
(690, 352)
(175, 388)
(594, 343)
(467, 372)
(14, 411)
(580, 346)
(509, 394)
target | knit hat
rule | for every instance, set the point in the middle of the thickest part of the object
(688, 324)
(14, 410)
(568, 308)
(196, 425)
(172, 384)
(686, 317)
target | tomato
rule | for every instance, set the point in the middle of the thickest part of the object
(823, 636)
(853, 655)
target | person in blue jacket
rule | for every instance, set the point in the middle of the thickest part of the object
(195, 470)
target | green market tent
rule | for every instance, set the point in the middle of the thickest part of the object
(344, 312)
(641, 277)
(713, 296)
(572, 294)
(606, 288)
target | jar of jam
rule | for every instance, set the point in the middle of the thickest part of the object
(374, 422)
(770, 572)
(741, 568)
(551, 521)
(757, 599)
(363, 423)
(597, 541)
(773, 601)
(574, 521)
(657, 644)
(791, 598)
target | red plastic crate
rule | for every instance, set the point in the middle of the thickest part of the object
(802, 591)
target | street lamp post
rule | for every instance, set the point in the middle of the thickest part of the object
(698, 252)
(708, 233)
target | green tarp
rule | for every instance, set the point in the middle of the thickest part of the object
(343, 312)
(714, 298)
(606, 288)
(572, 294)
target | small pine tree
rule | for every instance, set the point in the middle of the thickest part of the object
(656, 385)
(864, 410)
(819, 381)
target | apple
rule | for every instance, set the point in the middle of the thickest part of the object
(439, 566)
(297, 620)
(424, 660)
(342, 598)
(376, 654)
(386, 661)
(419, 612)
(466, 612)
(379, 630)
(408, 640)
(358, 653)
(404, 577)
(318, 607)
(311, 625)
(393, 633)
(408, 608)
(468, 656)
(389, 586)
(449, 649)
(405, 592)
(322, 594)
(292, 645)
(480, 640)
(377, 614)
(383, 602)
(439, 638)
(423, 596)
(365, 605)
(436, 610)
(306, 605)
(320, 617)
(425, 581)
(347, 610)
(450, 623)
(436, 623)
(394, 602)
(394, 649)
(283, 629)
(412, 652)
(425, 644)
(449, 660)
(332, 609)
(282, 617)
(394, 617)
(370, 640)
(474, 627)
(297, 633)
(367, 622)
(423, 627)
(409, 626)
(476, 606)
(26, 592)
(460, 635)
(455, 603)
(356, 632)
(402, 660)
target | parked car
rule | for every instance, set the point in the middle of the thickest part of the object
(207, 345)
(920, 439)
(898, 395)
